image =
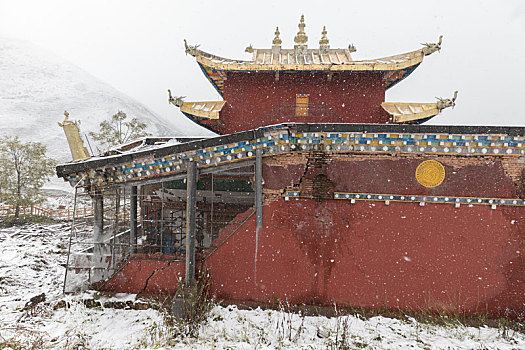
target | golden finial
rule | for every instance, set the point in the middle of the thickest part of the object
(76, 145)
(301, 38)
(324, 39)
(277, 40)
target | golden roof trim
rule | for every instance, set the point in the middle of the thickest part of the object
(313, 60)
(403, 112)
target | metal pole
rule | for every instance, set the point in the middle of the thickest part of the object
(191, 213)
(133, 219)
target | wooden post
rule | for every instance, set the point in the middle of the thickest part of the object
(258, 187)
(98, 204)
(191, 213)
(258, 207)
(133, 219)
(98, 230)
(115, 229)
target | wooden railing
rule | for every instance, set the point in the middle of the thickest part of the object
(59, 214)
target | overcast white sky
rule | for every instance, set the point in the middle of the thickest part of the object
(137, 46)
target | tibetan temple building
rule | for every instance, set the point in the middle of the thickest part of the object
(315, 190)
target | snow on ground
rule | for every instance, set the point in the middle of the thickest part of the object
(31, 263)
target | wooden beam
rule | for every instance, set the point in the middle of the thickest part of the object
(180, 176)
(219, 168)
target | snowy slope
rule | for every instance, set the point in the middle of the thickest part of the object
(36, 87)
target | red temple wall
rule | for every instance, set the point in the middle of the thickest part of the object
(496, 177)
(369, 254)
(147, 275)
(354, 97)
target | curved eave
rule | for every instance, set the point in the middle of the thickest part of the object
(390, 63)
(215, 77)
(410, 112)
(204, 109)
(204, 113)
(394, 68)
(393, 77)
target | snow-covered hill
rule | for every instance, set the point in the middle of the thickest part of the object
(36, 87)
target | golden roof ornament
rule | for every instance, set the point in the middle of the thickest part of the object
(76, 145)
(301, 39)
(324, 44)
(176, 100)
(277, 40)
(446, 102)
(191, 49)
(430, 48)
(276, 43)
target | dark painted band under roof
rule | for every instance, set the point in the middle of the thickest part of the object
(162, 151)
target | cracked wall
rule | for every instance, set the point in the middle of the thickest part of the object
(369, 254)
(498, 177)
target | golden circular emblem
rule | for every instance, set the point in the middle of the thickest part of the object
(430, 173)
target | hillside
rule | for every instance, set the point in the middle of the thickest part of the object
(36, 87)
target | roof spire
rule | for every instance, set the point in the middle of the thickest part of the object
(276, 47)
(301, 39)
(324, 44)
(277, 40)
